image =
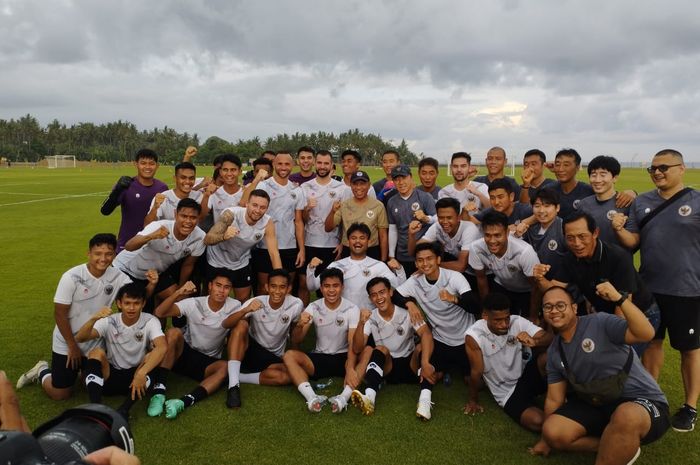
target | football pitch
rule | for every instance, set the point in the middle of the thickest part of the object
(48, 216)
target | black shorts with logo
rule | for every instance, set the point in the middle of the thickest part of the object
(192, 363)
(328, 365)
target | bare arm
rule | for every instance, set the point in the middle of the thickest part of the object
(87, 332)
(262, 174)
(476, 362)
(383, 243)
(187, 268)
(235, 317)
(359, 340)
(272, 248)
(168, 307)
(139, 241)
(456, 265)
(217, 233)
(482, 283)
(301, 328)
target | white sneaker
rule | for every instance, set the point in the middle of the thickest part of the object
(32, 375)
(316, 404)
(363, 402)
(338, 404)
(423, 410)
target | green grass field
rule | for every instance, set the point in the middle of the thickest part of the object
(48, 217)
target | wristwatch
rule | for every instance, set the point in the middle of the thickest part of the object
(623, 297)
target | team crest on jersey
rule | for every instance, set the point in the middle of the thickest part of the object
(365, 272)
(685, 210)
(647, 210)
(415, 206)
(400, 330)
(285, 318)
(511, 340)
(610, 214)
(85, 291)
(340, 321)
(471, 198)
(552, 245)
(187, 251)
(331, 194)
(512, 268)
(370, 214)
(258, 236)
(138, 196)
(293, 195)
(588, 345)
(109, 289)
(139, 336)
(576, 203)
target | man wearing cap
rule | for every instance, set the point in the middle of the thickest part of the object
(407, 205)
(361, 209)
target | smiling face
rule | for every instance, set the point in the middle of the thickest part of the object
(673, 177)
(277, 287)
(219, 290)
(229, 173)
(360, 189)
(428, 263)
(283, 164)
(448, 220)
(184, 180)
(404, 185)
(602, 181)
(559, 310)
(459, 167)
(146, 168)
(495, 161)
(324, 165)
(349, 165)
(544, 212)
(331, 289)
(358, 243)
(496, 238)
(100, 258)
(380, 296)
(579, 239)
(305, 160)
(256, 207)
(565, 168)
(389, 161)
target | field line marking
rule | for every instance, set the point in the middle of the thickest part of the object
(92, 194)
(24, 193)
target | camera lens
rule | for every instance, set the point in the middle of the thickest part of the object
(74, 438)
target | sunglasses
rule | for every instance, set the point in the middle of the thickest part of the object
(662, 168)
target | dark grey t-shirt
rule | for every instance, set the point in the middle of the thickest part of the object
(569, 203)
(520, 212)
(400, 212)
(598, 350)
(513, 183)
(602, 212)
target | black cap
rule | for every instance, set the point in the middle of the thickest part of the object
(359, 176)
(401, 170)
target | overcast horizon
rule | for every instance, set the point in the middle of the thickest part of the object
(614, 78)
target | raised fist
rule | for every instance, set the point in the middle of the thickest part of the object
(124, 182)
(158, 200)
(231, 232)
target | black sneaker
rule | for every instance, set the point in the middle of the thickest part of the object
(683, 420)
(233, 398)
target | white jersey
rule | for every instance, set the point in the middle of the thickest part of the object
(356, 275)
(159, 254)
(512, 269)
(504, 356)
(220, 200)
(332, 326)
(467, 233)
(86, 295)
(270, 327)
(234, 253)
(395, 334)
(284, 202)
(448, 321)
(167, 209)
(464, 196)
(126, 346)
(203, 331)
(315, 234)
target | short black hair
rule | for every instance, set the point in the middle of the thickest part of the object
(495, 301)
(577, 215)
(279, 272)
(353, 153)
(435, 247)
(231, 158)
(262, 161)
(189, 203)
(377, 280)
(103, 239)
(569, 152)
(268, 152)
(494, 218)
(501, 183)
(546, 195)
(331, 273)
(218, 273)
(324, 153)
(217, 160)
(306, 148)
(429, 161)
(461, 155)
(538, 152)
(260, 193)
(604, 162)
(133, 290)
(185, 165)
(448, 202)
(566, 291)
(361, 227)
(672, 152)
(391, 151)
(147, 154)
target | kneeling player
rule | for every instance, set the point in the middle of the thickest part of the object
(396, 357)
(125, 362)
(335, 319)
(196, 349)
(259, 335)
(498, 347)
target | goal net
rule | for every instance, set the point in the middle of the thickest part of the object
(61, 161)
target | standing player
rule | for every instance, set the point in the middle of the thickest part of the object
(534, 162)
(567, 163)
(134, 345)
(428, 173)
(259, 335)
(195, 350)
(287, 204)
(395, 356)
(390, 160)
(134, 195)
(164, 204)
(472, 195)
(350, 161)
(335, 319)
(232, 238)
(503, 200)
(305, 162)
(82, 291)
(217, 199)
(496, 162)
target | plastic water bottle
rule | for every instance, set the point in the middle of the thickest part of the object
(323, 384)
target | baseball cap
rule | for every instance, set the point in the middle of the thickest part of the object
(359, 176)
(401, 170)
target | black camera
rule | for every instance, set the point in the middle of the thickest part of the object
(68, 438)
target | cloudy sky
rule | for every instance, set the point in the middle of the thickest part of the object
(607, 77)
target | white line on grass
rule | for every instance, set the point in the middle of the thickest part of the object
(23, 193)
(92, 194)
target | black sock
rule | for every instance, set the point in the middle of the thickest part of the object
(375, 370)
(159, 376)
(425, 384)
(126, 406)
(94, 380)
(194, 396)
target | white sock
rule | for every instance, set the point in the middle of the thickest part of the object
(425, 394)
(371, 393)
(44, 378)
(234, 372)
(250, 378)
(307, 391)
(347, 391)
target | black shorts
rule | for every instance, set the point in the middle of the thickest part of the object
(401, 372)
(595, 419)
(446, 357)
(262, 263)
(240, 278)
(328, 365)
(681, 316)
(62, 377)
(119, 381)
(192, 363)
(327, 256)
(373, 252)
(257, 358)
(519, 301)
(530, 385)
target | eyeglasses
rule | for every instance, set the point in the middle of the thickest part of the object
(662, 168)
(559, 307)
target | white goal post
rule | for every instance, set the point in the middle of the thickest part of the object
(61, 161)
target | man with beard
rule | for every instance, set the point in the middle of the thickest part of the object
(305, 162)
(218, 198)
(472, 196)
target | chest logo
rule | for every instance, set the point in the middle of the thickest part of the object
(331, 194)
(552, 245)
(293, 195)
(370, 214)
(340, 321)
(685, 210)
(187, 251)
(511, 340)
(400, 330)
(610, 214)
(647, 210)
(109, 289)
(588, 345)
(285, 318)
(365, 272)
(138, 196)
(576, 204)
(258, 236)
(139, 336)
(512, 268)
(415, 206)
(471, 198)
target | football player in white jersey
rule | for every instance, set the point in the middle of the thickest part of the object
(195, 350)
(232, 238)
(395, 356)
(164, 204)
(134, 345)
(82, 291)
(472, 196)
(260, 330)
(335, 319)
(217, 199)
(357, 269)
(499, 349)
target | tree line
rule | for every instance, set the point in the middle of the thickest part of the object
(24, 139)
